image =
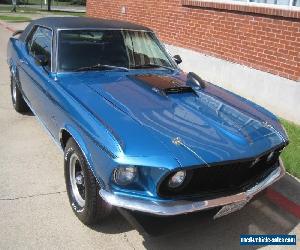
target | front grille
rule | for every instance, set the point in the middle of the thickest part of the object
(223, 178)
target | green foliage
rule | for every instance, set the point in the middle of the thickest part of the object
(15, 18)
(291, 154)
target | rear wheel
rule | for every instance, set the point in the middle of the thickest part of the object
(17, 99)
(82, 188)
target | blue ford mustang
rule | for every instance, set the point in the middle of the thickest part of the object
(136, 131)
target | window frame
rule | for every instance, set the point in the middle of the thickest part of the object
(289, 7)
(271, 4)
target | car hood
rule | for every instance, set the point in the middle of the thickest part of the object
(195, 125)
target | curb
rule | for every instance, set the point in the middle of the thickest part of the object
(283, 202)
(4, 25)
(285, 193)
(277, 193)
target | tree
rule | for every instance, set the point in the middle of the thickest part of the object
(49, 5)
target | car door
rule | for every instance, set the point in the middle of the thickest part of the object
(35, 77)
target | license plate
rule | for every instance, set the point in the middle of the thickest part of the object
(230, 208)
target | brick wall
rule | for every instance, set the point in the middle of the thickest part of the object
(263, 38)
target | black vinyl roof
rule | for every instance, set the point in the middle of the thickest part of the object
(86, 22)
(81, 22)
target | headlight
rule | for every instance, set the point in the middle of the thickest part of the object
(125, 175)
(177, 179)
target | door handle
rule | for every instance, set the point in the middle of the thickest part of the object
(23, 61)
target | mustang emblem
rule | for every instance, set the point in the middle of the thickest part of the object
(266, 125)
(177, 141)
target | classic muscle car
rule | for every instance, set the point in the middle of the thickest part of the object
(137, 132)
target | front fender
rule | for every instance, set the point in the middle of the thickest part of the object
(82, 144)
(75, 134)
(99, 161)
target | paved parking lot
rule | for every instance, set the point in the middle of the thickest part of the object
(34, 209)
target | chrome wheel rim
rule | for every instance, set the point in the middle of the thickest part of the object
(77, 180)
(14, 91)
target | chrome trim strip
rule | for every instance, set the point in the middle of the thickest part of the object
(168, 208)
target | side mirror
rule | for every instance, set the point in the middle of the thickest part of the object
(177, 59)
(41, 60)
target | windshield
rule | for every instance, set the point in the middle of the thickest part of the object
(110, 49)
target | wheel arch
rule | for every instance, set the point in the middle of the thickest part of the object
(64, 136)
(68, 132)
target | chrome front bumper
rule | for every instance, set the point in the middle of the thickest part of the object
(168, 208)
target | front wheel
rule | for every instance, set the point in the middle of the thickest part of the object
(82, 188)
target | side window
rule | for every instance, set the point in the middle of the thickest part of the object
(40, 44)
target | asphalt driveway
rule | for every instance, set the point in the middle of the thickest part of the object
(35, 213)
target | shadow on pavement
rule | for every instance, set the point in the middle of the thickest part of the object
(114, 224)
(201, 231)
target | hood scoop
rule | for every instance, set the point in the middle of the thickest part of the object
(165, 85)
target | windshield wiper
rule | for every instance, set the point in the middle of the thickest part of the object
(101, 66)
(151, 65)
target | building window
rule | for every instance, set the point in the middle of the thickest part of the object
(275, 2)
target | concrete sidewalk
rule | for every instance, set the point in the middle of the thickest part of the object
(35, 212)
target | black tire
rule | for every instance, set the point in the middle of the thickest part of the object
(95, 208)
(17, 99)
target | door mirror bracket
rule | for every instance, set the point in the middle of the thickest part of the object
(177, 59)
